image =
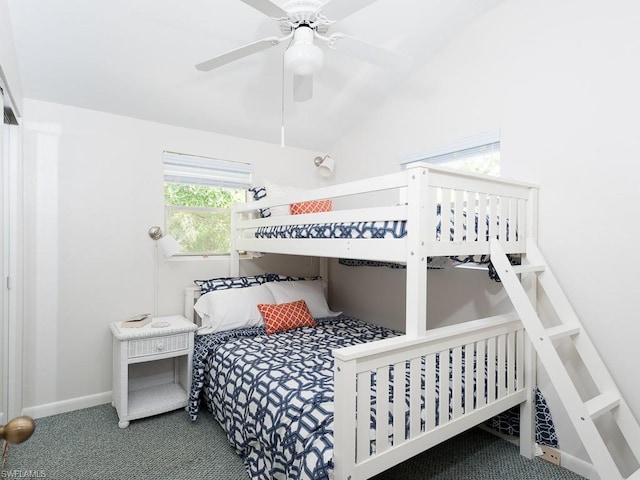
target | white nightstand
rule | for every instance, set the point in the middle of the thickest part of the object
(151, 367)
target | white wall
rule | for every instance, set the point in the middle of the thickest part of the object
(560, 79)
(93, 189)
(377, 294)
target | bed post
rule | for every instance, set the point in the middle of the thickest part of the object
(190, 294)
(344, 419)
(529, 283)
(323, 270)
(416, 301)
(234, 259)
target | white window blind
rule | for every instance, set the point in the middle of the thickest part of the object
(464, 148)
(213, 172)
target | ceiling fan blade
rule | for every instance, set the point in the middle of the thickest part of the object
(238, 53)
(339, 9)
(302, 88)
(369, 52)
(267, 7)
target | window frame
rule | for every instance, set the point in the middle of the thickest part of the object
(187, 169)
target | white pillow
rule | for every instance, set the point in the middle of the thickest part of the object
(223, 310)
(311, 291)
(274, 191)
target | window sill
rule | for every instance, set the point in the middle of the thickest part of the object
(200, 258)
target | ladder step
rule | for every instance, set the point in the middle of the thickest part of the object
(603, 403)
(563, 331)
(528, 268)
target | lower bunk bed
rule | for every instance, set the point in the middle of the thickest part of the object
(274, 392)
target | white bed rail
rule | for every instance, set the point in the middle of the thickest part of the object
(503, 209)
(508, 207)
(434, 407)
(191, 294)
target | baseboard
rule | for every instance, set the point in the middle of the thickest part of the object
(65, 406)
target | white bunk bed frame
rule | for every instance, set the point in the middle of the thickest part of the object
(499, 341)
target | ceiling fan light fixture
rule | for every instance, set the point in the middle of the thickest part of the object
(303, 57)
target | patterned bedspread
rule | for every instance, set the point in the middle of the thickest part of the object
(273, 394)
(381, 229)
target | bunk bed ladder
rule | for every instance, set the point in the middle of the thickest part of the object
(601, 410)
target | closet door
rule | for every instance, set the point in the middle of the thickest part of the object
(11, 246)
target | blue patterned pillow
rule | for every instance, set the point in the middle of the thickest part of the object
(225, 283)
(258, 193)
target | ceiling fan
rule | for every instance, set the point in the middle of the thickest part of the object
(302, 22)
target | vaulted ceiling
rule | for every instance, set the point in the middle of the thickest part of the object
(137, 57)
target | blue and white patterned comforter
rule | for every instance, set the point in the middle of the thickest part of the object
(273, 394)
(380, 229)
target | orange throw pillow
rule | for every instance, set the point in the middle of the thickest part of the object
(286, 316)
(314, 206)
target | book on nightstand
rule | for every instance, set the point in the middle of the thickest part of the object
(136, 321)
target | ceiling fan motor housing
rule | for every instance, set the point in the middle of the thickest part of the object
(303, 12)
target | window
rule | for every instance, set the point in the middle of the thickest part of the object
(478, 154)
(198, 194)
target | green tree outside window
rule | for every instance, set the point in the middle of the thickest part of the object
(199, 217)
(486, 164)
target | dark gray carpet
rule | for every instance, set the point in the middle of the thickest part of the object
(87, 444)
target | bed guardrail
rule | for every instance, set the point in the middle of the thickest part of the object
(450, 212)
(485, 361)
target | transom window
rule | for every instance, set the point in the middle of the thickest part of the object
(478, 154)
(198, 194)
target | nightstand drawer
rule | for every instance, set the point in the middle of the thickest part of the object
(151, 346)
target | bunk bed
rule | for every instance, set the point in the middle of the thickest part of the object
(368, 425)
